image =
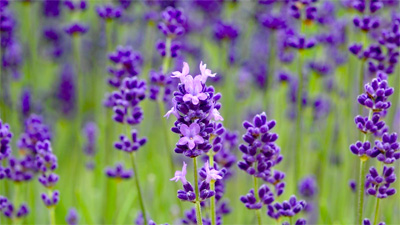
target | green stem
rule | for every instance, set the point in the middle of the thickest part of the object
(271, 67)
(167, 58)
(361, 179)
(258, 211)
(109, 35)
(376, 210)
(168, 145)
(141, 202)
(196, 189)
(212, 188)
(361, 191)
(298, 121)
(52, 214)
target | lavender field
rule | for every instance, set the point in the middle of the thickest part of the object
(199, 112)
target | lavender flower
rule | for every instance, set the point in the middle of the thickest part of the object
(376, 95)
(126, 63)
(172, 24)
(90, 131)
(119, 172)
(308, 187)
(9, 210)
(130, 145)
(260, 155)
(72, 217)
(195, 106)
(5, 138)
(379, 185)
(159, 81)
(109, 12)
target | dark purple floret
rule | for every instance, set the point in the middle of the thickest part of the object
(301, 43)
(174, 50)
(172, 22)
(90, 131)
(8, 209)
(5, 139)
(286, 208)
(366, 23)
(130, 145)
(76, 5)
(66, 90)
(196, 109)
(225, 31)
(52, 8)
(26, 102)
(125, 101)
(308, 187)
(109, 12)
(12, 59)
(376, 95)
(368, 222)
(379, 185)
(76, 28)
(119, 172)
(273, 22)
(19, 170)
(72, 217)
(250, 201)
(353, 185)
(52, 200)
(126, 63)
(387, 149)
(160, 82)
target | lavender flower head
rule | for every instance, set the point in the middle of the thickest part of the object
(119, 172)
(126, 63)
(379, 185)
(5, 139)
(196, 109)
(109, 12)
(172, 22)
(72, 217)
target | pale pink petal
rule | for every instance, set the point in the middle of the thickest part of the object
(169, 112)
(184, 169)
(217, 116)
(198, 87)
(195, 100)
(185, 69)
(191, 144)
(189, 83)
(187, 97)
(198, 139)
(184, 129)
(202, 96)
(183, 141)
(195, 128)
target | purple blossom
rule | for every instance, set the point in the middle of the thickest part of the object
(180, 175)
(119, 172)
(5, 139)
(72, 217)
(130, 145)
(379, 185)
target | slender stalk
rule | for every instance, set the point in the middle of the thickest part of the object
(52, 214)
(167, 58)
(258, 211)
(271, 69)
(212, 188)
(376, 210)
(141, 202)
(167, 146)
(196, 190)
(298, 120)
(361, 179)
